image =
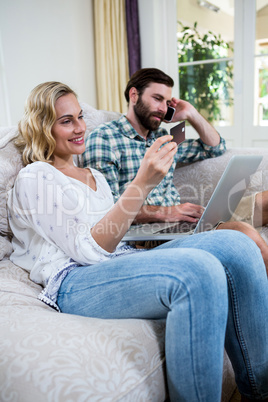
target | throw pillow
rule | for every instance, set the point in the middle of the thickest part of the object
(10, 164)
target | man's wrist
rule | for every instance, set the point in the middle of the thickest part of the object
(149, 214)
(156, 213)
(160, 214)
(193, 116)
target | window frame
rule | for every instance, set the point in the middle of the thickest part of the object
(159, 49)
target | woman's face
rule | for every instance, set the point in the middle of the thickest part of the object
(69, 127)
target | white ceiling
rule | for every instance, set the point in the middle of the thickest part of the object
(227, 6)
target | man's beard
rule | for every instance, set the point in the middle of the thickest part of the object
(146, 117)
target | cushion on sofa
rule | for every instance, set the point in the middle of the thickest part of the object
(197, 181)
(94, 117)
(51, 356)
(11, 163)
(5, 247)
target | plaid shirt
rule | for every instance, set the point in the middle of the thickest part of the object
(116, 149)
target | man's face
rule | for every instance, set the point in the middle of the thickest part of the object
(151, 106)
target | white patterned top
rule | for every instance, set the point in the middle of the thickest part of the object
(51, 215)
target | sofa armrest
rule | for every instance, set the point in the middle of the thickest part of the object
(196, 181)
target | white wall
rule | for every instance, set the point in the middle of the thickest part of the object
(189, 11)
(45, 40)
(158, 29)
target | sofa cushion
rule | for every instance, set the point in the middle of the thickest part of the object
(5, 247)
(11, 163)
(196, 181)
(94, 117)
(51, 356)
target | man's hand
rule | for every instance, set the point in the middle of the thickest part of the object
(182, 212)
(185, 111)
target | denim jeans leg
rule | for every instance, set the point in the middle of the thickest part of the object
(187, 288)
(247, 326)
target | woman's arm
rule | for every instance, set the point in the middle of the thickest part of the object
(156, 163)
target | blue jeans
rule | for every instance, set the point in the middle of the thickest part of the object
(212, 289)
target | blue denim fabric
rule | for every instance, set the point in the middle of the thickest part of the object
(212, 289)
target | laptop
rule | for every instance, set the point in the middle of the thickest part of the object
(221, 206)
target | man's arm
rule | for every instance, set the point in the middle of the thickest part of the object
(185, 111)
(210, 137)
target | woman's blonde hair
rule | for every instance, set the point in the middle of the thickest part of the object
(35, 137)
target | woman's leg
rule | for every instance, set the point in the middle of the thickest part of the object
(247, 326)
(251, 232)
(187, 287)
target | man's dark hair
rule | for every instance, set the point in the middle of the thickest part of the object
(142, 78)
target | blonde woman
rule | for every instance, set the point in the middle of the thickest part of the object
(67, 234)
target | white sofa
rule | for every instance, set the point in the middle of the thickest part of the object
(50, 356)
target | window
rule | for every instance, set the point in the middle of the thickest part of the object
(206, 73)
(261, 65)
(241, 116)
(205, 59)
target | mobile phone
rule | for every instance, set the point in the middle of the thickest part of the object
(178, 132)
(170, 113)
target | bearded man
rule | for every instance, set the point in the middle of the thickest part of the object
(117, 147)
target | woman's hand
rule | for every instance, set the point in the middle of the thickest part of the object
(156, 163)
(112, 227)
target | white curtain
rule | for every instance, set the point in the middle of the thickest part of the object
(111, 54)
